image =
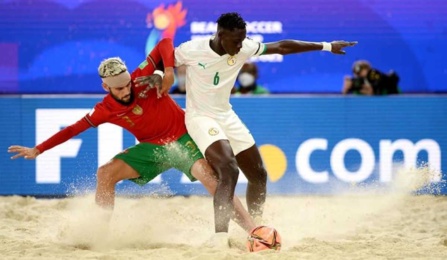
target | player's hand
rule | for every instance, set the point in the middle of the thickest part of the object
(337, 46)
(22, 151)
(153, 80)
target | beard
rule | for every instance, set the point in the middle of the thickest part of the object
(122, 102)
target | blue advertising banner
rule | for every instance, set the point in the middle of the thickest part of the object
(55, 46)
(310, 145)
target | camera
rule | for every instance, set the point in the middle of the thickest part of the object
(357, 83)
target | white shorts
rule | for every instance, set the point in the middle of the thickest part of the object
(206, 130)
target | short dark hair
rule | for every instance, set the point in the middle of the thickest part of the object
(231, 21)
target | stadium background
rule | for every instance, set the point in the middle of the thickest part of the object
(54, 47)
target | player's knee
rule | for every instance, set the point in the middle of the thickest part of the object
(258, 176)
(227, 170)
(227, 166)
(229, 180)
(106, 174)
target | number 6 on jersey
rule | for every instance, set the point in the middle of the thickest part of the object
(216, 79)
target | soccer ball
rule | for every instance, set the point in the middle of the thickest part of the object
(263, 238)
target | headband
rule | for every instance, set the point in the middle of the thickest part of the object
(120, 80)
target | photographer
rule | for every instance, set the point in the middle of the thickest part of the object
(370, 81)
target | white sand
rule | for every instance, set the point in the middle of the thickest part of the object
(394, 225)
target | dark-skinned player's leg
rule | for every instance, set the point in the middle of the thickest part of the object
(250, 162)
(221, 158)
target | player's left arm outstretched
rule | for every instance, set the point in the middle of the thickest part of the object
(293, 46)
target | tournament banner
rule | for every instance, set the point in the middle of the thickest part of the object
(310, 145)
(55, 46)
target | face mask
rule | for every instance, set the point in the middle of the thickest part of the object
(181, 80)
(246, 79)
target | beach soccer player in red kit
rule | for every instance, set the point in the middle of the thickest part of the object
(153, 118)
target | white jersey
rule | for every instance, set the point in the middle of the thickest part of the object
(209, 76)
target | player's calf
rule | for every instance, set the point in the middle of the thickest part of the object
(107, 177)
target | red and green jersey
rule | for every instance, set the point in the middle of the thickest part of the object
(150, 119)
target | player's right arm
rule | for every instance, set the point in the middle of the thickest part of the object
(161, 57)
(93, 119)
(165, 50)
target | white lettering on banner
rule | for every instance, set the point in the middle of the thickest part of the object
(265, 27)
(410, 152)
(203, 27)
(338, 159)
(302, 160)
(110, 142)
(48, 122)
(386, 150)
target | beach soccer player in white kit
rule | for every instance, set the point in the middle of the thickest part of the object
(212, 66)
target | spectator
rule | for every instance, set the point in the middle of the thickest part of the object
(367, 80)
(247, 81)
(180, 87)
